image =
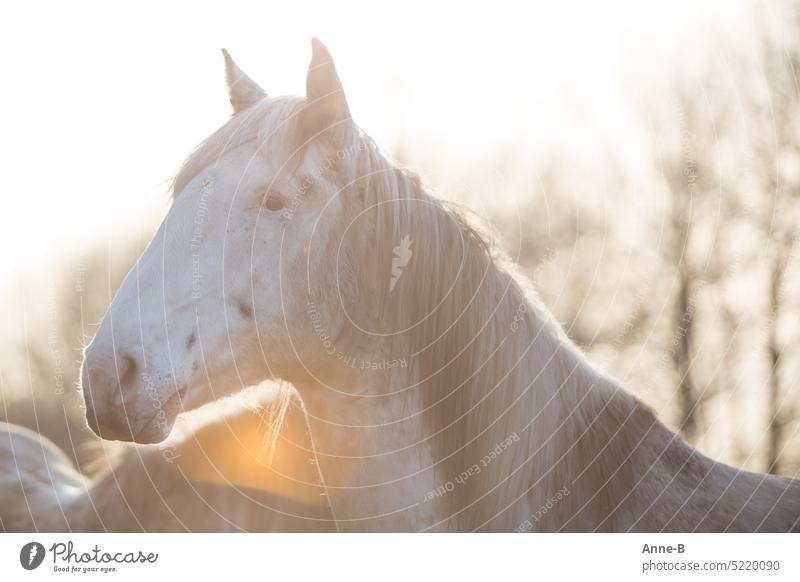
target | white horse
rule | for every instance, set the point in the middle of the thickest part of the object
(441, 394)
(209, 476)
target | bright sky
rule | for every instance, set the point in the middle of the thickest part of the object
(102, 103)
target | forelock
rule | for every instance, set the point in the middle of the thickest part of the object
(270, 124)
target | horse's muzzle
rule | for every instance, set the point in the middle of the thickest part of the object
(115, 391)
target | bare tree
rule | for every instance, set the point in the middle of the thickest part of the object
(686, 174)
(778, 219)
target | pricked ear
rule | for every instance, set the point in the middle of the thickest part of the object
(325, 101)
(243, 91)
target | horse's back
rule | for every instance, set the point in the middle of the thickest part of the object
(694, 493)
(38, 483)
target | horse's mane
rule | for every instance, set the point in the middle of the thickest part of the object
(485, 352)
(492, 365)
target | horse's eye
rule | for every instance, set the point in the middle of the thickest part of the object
(274, 201)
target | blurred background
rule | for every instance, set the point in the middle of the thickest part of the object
(639, 160)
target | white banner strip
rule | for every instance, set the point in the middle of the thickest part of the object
(402, 557)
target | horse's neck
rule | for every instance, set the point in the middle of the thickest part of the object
(625, 471)
(597, 459)
(373, 456)
(583, 454)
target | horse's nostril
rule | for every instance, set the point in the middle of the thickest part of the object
(128, 371)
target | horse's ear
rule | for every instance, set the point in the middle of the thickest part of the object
(243, 91)
(325, 101)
